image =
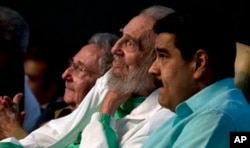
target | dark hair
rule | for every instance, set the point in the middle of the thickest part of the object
(55, 63)
(14, 30)
(14, 35)
(212, 30)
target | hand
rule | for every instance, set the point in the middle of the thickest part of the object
(10, 117)
(12, 105)
(16, 100)
(112, 101)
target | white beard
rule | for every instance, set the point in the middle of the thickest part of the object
(138, 82)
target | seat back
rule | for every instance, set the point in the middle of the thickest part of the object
(242, 69)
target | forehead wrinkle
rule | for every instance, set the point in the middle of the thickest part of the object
(139, 24)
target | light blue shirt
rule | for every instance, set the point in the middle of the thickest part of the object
(205, 120)
(31, 108)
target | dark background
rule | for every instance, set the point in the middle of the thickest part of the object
(67, 24)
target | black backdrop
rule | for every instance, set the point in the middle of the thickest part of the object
(69, 23)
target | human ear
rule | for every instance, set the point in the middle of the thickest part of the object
(200, 63)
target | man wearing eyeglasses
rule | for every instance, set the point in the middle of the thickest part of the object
(91, 62)
(127, 93)
(81, 74)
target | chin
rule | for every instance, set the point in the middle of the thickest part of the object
(160, 101)
(67, 98)
(117, 72)
(161, 98)
(161, 92)
(164, 104)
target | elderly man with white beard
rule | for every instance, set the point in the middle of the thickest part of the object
(121, 110)
(127, 114)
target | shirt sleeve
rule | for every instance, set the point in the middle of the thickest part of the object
(10, 143)
(63, 131)
(100, 132)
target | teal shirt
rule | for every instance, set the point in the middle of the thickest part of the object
(205, 120)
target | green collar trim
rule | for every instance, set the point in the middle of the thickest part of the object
(128, 106)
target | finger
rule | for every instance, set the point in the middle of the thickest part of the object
(22, 116)
(7, 101)
(1, 103)
(17, 98)
(1, 100)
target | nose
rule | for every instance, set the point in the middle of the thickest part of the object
(117, 48)
(66, 75)
(154, 68)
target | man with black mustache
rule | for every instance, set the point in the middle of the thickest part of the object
(125, 95)
(196, 50)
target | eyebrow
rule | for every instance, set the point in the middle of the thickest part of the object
(85, 67)
(158, 49)
(82, 64)
(79, 62)
(132, 38)
(128, 36)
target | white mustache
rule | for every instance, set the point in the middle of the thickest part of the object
(68, 86)
(118, 58)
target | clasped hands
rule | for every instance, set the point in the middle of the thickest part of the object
(10, 117)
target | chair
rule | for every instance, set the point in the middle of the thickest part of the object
(242, 69)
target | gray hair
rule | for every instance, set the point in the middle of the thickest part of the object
(106, 42)
(139, 81)
(14, 32)
(156, 12)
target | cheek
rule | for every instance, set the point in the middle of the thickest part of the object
(129, 61)
(176, 83)
(133, 62)
(83, 88)
(35, 87)
(171, 79)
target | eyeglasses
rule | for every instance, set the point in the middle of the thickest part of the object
(79, 69)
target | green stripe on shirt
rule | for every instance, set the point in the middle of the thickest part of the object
(121, 112)
(9, 145)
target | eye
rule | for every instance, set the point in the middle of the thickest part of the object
(129, 43)
(75, 66)
(162, 55)
(79, 67)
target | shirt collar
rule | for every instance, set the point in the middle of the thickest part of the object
(209, 93)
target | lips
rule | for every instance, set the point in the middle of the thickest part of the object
(68, 87)
(68, 90)
(117, 62)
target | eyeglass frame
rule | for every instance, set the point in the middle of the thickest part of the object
(80, 67)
